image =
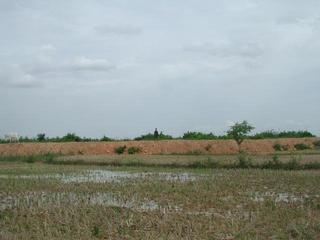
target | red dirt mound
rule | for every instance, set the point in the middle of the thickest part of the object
(152, 147)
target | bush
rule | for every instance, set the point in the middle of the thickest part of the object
(194, 152)
(150, 136)
(120, 149)
(279, 147)
(134, 150)
(301, 146)
(244, 160)
(208, 147)
(294, 163)
(30, 159)
(283, 134)
(70, 137)
(106, 139)
(198, 136)
(274, 163)
(316, 144)
(41, 137)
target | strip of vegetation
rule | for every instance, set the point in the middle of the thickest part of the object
(43, 158)
(244, 162)
(301, 147)
(316, 144)
(151, 136)
(209, 164)
(72, 137)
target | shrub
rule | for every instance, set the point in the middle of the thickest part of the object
(30, 159)
(294, 163)
(41, 137)
(283, 134)
(244, 160)
(194, 152)
(208, 147)
(49, 157)
(96, 231)
(301, 146)
(198, 136)
(134, 150)
(120, 149)
(106, 139)
(274, 163)
(70, 137)
(150, 136)
(316, 144)
(279, 147)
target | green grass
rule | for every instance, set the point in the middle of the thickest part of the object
(289, 161)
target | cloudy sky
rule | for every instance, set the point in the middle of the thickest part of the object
(124, 67)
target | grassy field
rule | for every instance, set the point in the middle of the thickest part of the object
(155, 201)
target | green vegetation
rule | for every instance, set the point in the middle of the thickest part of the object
(284, 134)
(134, 150)
(231, 134)
(151, 136)
(43, 158)
(301, 146)
(240, 161)
(106, 139)
(41, 137)
(199, 136)
(120, 149)
(239, 132)
(279, 147)
(317, 144)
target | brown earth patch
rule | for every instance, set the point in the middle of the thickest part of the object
(216, 147)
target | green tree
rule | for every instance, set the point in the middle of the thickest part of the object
(239, 132)
(41, 137)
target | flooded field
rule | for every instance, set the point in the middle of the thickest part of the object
(39, 201)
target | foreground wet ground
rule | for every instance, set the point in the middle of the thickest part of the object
(81, 202)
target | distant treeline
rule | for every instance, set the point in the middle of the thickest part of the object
(72, 137)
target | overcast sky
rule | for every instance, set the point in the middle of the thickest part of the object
(124, 67)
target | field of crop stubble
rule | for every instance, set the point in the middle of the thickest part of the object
(44, 201)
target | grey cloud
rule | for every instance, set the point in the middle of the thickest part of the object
(225, 49)
(118, 29)
(313, 21)
(14, 78)
(36, 74)
(81, 64)
(176, 65)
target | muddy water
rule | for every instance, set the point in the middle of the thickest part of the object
(102, 176)
(50, 199)
(280, 197)
(43, 199)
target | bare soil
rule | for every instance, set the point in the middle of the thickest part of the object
(215, 147)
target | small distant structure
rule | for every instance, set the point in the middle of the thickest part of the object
(156, 133)
(12, 137)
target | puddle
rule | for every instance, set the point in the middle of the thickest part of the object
(102, 176)
(279, 197)
(49, 199)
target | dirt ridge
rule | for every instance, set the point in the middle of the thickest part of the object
(217, 147)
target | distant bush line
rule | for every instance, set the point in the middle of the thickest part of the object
(72, 137)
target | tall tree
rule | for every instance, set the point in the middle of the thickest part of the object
(239, 132)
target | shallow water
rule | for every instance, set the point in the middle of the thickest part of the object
(280, 197)
(50, 199)
(101, 176)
